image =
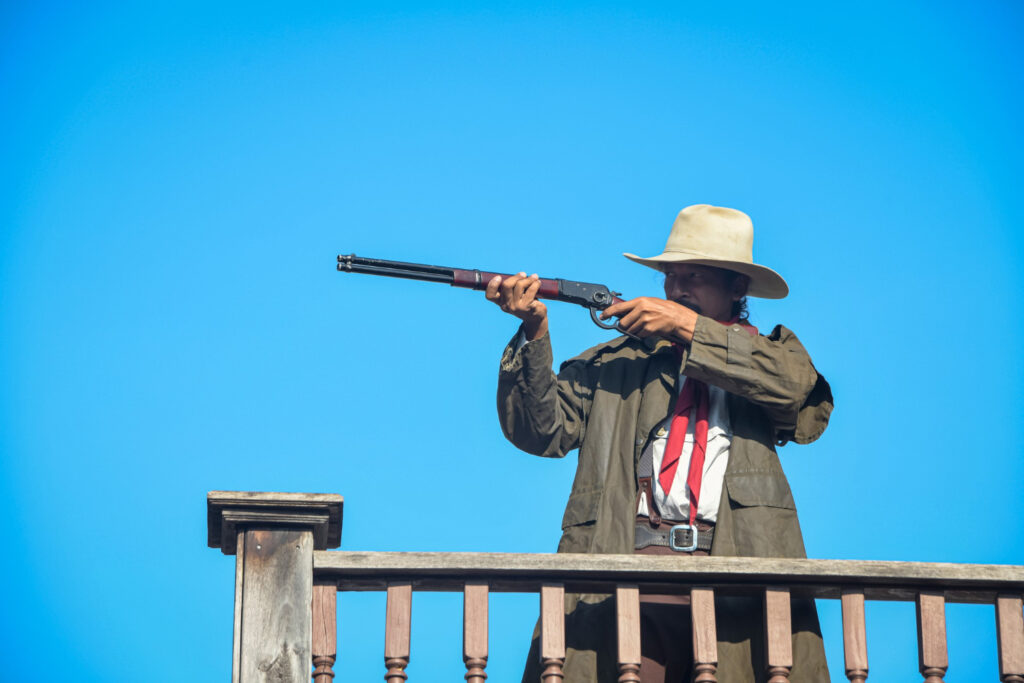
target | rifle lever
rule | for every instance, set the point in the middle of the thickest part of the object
(609, 326)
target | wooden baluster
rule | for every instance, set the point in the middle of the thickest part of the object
(855, 644)
(627, 613)
(396, 633)
(931, 635)
(325, 631)
(778, 631)
(552, 632)
(705, 635)
(1010, 633)
(474, 631)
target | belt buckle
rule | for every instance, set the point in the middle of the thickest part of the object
(672, 538)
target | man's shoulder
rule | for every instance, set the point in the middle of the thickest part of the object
(778, 333)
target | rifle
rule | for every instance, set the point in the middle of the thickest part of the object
(592, 296)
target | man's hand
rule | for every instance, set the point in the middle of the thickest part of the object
(648, 316)
(517, 294)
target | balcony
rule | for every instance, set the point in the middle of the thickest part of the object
(287, 579)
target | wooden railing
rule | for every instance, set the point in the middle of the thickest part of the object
(286, 595)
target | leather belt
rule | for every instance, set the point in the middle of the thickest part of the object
(680, 537)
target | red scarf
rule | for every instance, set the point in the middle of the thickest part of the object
(693, 397)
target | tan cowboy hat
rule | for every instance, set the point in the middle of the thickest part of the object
(707, 235)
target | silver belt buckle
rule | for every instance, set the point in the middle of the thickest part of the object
(672, 538)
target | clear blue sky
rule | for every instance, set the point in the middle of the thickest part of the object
(176, 180)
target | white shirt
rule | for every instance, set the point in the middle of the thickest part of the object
(675, 504)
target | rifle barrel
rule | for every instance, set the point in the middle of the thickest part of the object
(350, 263)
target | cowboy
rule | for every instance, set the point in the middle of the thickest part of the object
(676, 425)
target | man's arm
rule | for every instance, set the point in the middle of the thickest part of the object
(539, 412)
(773, 372)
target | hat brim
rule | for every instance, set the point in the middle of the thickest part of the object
(765, 283)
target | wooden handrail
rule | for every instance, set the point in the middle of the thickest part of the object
(929, 585)
(508, 572)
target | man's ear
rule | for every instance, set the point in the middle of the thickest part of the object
(740, 285)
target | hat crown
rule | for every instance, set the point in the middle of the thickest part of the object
(712, 232)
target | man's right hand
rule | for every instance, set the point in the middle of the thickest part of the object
(517, 294)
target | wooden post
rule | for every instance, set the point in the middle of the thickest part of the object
(1010, 634)
(705, 635)
(325, 631)
(398, 624)
(273, 536)
(778, 631)
(931, 635)
(552, 632)
(627, 622)
(474, 631)
(855, 645)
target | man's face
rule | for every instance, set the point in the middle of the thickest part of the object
(709, 291)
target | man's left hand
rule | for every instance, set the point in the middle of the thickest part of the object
(648, 316)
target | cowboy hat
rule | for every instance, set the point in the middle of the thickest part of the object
(707, 235)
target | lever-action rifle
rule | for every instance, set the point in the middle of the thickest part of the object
(587, 294)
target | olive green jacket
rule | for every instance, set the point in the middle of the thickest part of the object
(608, 400)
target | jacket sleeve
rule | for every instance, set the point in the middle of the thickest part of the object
(542, 413)
(773, 372)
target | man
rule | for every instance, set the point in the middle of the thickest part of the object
(676, 426)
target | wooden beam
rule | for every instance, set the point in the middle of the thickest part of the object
(274, 536)
(236, 649)
(507, 572)
(276, 614)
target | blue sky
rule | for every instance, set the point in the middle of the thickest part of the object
(177, 180)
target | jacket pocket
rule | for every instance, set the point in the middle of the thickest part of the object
(581, 508)
(759, 489)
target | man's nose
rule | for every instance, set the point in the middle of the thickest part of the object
(674, 289)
